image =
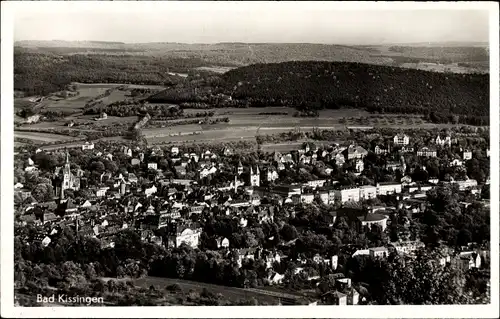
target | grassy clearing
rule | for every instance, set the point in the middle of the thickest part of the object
(115, 96)
(113, 85)
(216, 69)
(228, 293)
(42, 137)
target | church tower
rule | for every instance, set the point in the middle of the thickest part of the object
(240, 168)
(254, 178)
(66, 174)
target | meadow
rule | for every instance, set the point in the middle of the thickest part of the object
(247, 123)
(269, 296)
(41, 137)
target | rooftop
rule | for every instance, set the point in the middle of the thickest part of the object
(372, 218)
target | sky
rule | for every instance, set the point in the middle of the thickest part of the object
(255, 22)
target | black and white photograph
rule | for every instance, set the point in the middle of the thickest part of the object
(206, 159)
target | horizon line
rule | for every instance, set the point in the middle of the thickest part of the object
(238, 42)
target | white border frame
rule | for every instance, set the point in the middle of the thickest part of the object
(9, 8)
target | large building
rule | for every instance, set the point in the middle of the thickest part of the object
(355, 152)
(254, 177)
(184, 234)
(68, 180)
(373, 219)
(367, 192)
(347, 194)
(401, 139)
(427, 152)
(442, 141)
(388, 188)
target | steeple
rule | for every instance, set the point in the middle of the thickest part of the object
(251, 170)
(67, 157)
(240, 168)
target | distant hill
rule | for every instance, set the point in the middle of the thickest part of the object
(241, 54)
(335, 84)
(314, 85)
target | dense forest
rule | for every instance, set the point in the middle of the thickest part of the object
(309, 86)
(40, 74)
(334, 85)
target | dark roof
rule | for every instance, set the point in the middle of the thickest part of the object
(372, 217)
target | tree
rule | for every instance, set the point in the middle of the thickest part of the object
(423, 282)
(43, 192)
(288, 232)
(97, 166)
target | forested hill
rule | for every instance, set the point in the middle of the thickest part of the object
(376, 88)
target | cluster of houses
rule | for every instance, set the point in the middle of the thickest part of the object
(167, 204)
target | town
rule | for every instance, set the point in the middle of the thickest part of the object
(358, 221)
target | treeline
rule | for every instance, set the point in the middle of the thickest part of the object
(165, 123)
(133, 108)
(41, 74)
(186, 116)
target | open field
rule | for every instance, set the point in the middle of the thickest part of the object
(42, 137)
(246, 123)
(115, 96)
(113, 85)
(108, 121)
(216, 69)
(228, 293)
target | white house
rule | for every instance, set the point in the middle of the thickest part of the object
(87, 146)
(188, 236)
(388, 188)
(101, 192)
(347, 195)
(223, 242)
(316, 183)
(307, 198)
(272, 174)
(379, 150)
(46, 241)
(359, 166)
(327, 197)
(128, 151)
(174, 151)
(467, 155)
(367, 192)
(469, 260)
(401, 139)
(374, 219)
(443, 141)
(150, 191)
(426, 152)
(152, 166)
(466, 184)
(456, 162)
(378, 252)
